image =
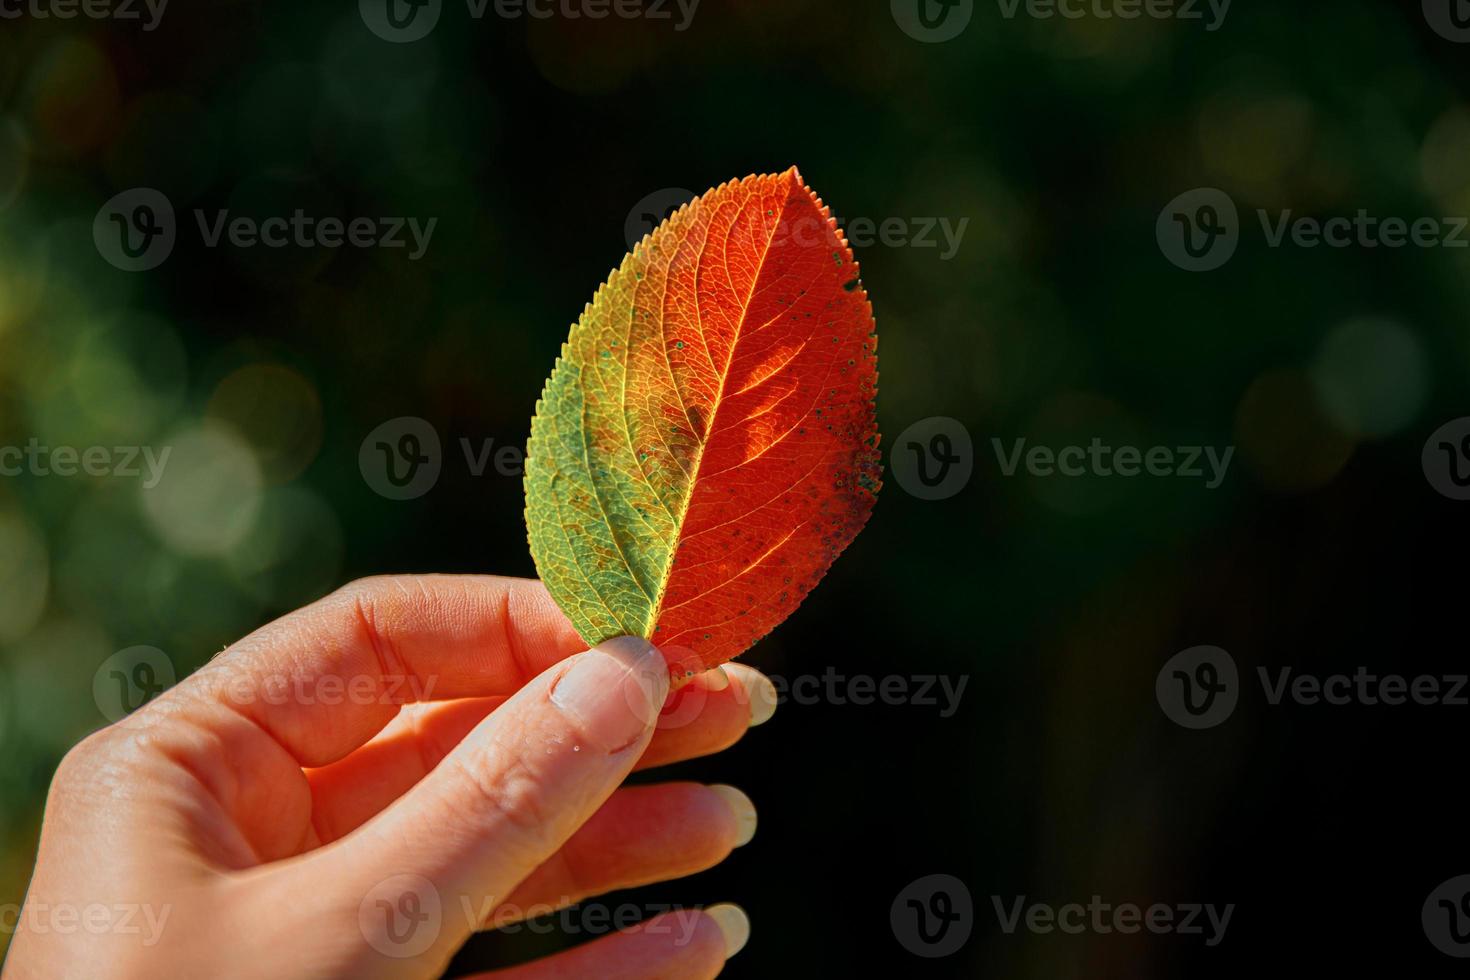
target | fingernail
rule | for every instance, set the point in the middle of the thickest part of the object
(734, 926)
(614, 691)
(743, 809)
(759, 692)
(715, 680)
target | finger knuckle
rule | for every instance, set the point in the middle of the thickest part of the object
(82, 759)
(514, 796)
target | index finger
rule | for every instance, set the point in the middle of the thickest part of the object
(324, 679)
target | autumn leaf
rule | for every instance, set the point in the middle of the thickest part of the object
(706, 445)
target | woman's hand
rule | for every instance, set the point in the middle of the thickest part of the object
(356, 788)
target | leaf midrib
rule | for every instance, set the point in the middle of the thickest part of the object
(658, 599)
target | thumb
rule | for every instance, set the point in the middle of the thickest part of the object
(505, 799)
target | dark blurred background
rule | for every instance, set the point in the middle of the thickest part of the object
(1060, 315)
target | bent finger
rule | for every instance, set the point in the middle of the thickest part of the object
(501, 803)
(703, 717)
(643, 834)
(326, 678)
(690, 944)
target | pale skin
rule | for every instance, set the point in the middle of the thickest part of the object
(283, 812)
